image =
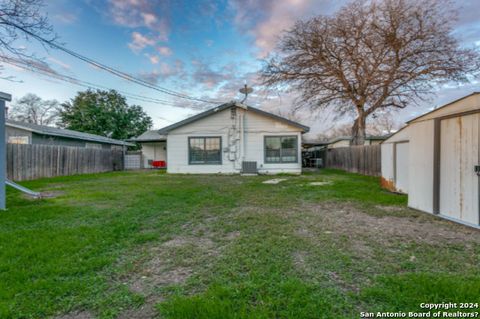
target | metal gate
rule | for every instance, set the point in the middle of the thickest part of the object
(133, 161)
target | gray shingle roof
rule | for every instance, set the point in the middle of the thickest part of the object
(149, 136)
(226, 106)
(348, 138)
(53, 131)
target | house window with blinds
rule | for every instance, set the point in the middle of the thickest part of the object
(281, 149)
(204, 150)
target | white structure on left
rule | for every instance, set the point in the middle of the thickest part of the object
(4, 97)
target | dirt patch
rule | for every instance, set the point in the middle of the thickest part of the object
(157, 275)
(350, 221)
(146, 311)
(299, 262)
(232, 235)
(76, 315)
(391, 208)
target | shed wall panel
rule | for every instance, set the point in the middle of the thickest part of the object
(387, 162)
(458, 156)
(402, 167)
(420, 187)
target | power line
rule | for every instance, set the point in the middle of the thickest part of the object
(37, 68)
(109, 69)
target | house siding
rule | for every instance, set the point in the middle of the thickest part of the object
(249, 149)
(16, 132)
(155, 151)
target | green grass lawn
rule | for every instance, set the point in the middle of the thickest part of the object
(147, 244)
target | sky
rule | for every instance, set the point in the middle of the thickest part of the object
(204, 48)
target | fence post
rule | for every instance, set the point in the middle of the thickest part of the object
(3, 150)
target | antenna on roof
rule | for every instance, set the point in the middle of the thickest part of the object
(245, 90)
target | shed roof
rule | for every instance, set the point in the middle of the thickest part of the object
(226, 106)
(149, 136)
(440, 108)
(53, 131)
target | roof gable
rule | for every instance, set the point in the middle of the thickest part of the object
(225, 106)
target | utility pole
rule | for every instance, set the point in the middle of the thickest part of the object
(4, 97)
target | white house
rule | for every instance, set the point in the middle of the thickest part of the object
(435, 160)
(154, 147)
(233, 138)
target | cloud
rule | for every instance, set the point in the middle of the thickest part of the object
(155, 16)
(164, 50)
(154, 59)
(62, 64)
(265, 20)
(164, 72)
(140, 41)
(66, 17)
(205, 75)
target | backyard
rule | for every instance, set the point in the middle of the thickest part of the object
(147, 244)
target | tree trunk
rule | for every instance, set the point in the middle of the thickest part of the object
(358, 129)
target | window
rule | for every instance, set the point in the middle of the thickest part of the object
(281, 149)
(204, 150)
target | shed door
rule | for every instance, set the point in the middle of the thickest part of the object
(459, 189)
(401, 167)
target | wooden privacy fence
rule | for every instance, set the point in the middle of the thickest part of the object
(27, 162)
(358, 159)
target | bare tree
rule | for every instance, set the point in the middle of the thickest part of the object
(23, 20)
(383, 123)
(32, 109)
(371, 55)
(334, 131)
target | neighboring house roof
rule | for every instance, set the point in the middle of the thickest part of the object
(226, 106)
(149, 136)
(53, 131)
(349, 138)
(442, 107)
(314, 142)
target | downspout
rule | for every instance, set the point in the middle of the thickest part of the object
(244, 136)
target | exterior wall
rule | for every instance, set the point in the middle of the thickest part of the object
(154, 151)
(35, 138)
(235, 148)
(388, 174)
(56, 140)
(389, 162)
(459, 153)
(421, 166)
(402, 154)
(16, 132)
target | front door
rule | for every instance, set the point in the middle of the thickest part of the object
(459, 154)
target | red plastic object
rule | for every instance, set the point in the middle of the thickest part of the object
(159, 164)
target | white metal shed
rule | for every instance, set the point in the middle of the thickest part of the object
(435, 160)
